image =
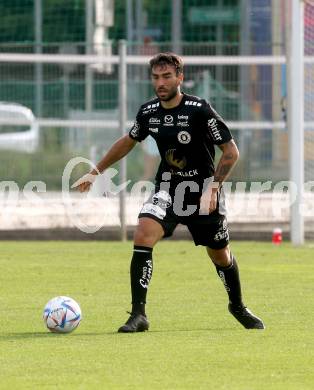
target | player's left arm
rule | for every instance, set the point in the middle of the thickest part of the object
(228, 159)
(220, 135)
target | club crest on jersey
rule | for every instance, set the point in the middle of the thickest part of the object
(184, 137)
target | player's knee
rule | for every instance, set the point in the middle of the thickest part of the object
(148, 232)
(220, 257)
(144, 237)
(139, 236)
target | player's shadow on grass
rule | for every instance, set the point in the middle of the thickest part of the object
(47, 335)
(36, 335)
(183, 330)
(209, 330)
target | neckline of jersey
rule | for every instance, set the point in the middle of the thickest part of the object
(176, 107)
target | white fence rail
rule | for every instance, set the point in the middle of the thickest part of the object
(124, 60)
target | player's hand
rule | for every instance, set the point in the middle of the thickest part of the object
(209, 198)
(84, 183)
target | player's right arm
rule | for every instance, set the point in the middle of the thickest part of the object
(117, 151)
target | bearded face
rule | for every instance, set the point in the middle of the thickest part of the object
(166, 81)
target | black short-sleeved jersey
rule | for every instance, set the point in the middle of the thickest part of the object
(185, 136)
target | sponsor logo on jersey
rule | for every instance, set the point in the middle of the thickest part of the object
(213, 126)
(155, 121)
(168, 120)
(153, 129)
(150, 111)
(151, 106)
(183, 121)
(183, 124)
(174, 159)
(135, 131)
(184, 137)
(190, 173)
(192, 103)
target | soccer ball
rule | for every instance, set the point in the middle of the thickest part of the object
(62, 315)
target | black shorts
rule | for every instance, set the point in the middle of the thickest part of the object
(208, 230)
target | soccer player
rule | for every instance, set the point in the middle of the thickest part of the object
(188, 187)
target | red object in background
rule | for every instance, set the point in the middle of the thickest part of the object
(277, 236)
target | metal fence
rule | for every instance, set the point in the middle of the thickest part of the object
(249, 95)
(72, 83)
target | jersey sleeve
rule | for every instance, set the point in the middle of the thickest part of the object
(138, 131)
(215, 126)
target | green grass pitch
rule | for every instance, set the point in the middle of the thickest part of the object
(193, 342)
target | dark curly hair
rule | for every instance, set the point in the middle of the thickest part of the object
(168, 58)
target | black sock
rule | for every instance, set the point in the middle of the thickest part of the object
(231, 280)
(141, 272)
